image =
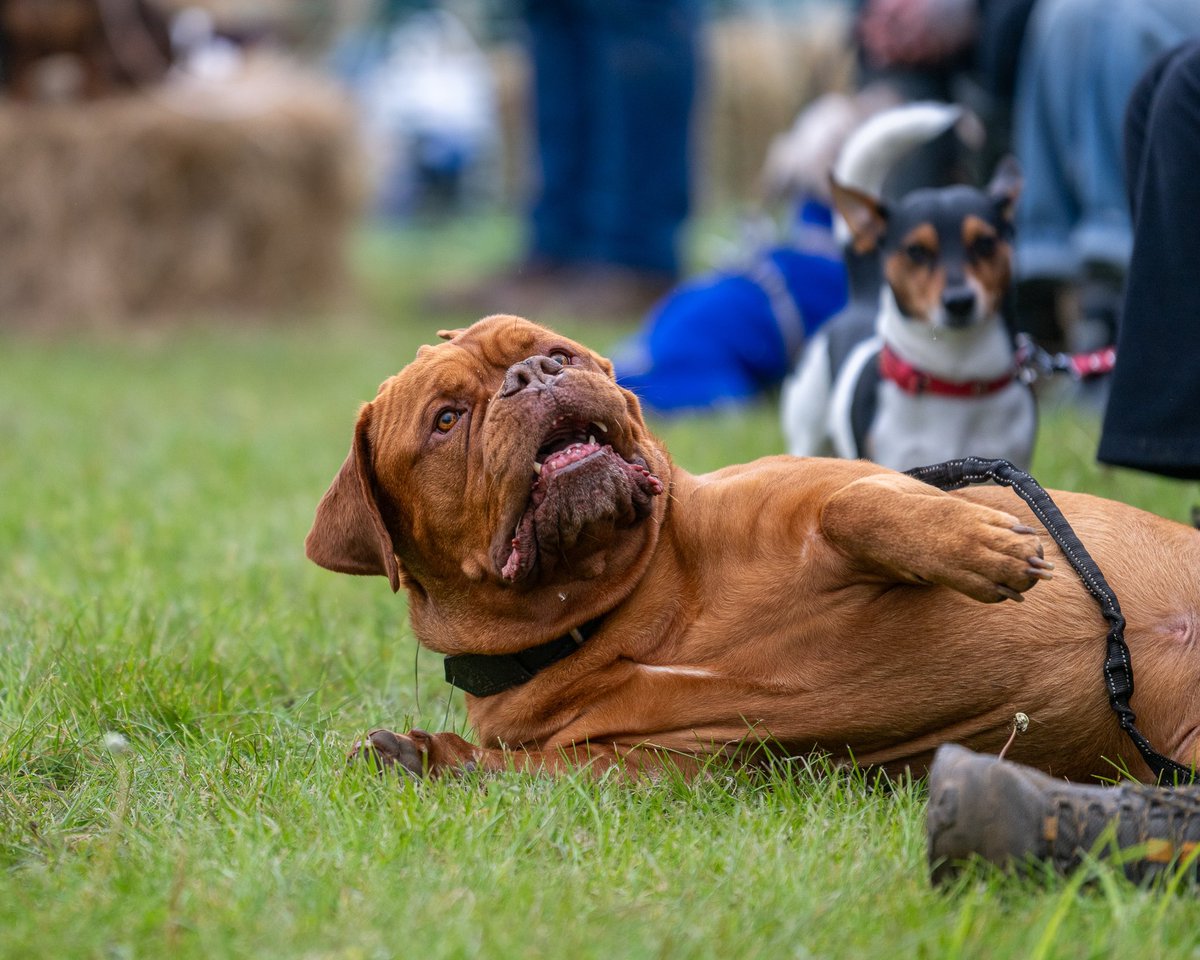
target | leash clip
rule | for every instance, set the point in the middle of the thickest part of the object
(1034, 362)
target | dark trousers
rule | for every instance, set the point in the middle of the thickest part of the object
(1153, 417)
(614, 82)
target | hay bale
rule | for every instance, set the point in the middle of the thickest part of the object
(762, 70)
(192, 197)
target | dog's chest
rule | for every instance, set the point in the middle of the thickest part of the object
(914, 430)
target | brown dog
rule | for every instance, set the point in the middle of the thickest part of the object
(512, 488)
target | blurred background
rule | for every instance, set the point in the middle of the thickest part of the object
(649, 175)
(167, 161)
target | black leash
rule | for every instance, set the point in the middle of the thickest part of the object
(1118, 668)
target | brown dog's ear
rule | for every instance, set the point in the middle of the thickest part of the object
(348, 534)
(451, 334)
(1005, 186)
(864, 215)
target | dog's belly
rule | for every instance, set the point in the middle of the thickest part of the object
(913, 431)
(887, 673)
(924, 666)
(927, 666)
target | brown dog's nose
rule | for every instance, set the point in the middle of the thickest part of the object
(536, 372)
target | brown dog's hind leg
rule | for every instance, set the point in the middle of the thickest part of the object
(914, 533)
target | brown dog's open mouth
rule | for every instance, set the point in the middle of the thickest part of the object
(581, 487)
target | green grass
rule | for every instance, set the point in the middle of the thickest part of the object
(155, 489)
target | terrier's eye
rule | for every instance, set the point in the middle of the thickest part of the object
(447, 419)
(982, 247)
(561, 356)
(919, 254)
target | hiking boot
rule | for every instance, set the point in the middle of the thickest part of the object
(983, 807)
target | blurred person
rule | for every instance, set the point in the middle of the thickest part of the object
(81, 49)
(1079, 62)
(613, 87)
(428, 107)
(920, 50)
(1152, 421)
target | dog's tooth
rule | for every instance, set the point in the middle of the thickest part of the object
(603, 427)
(591, 440)
(537, 468)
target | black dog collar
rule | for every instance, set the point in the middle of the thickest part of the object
(483, 674)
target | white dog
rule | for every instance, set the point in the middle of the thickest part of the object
(921, 366)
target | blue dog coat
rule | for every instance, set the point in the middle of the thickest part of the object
(725, 338)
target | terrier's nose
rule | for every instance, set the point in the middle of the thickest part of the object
(959, 302)
(534, 373)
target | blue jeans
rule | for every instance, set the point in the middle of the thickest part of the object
(1080, 61)
(614, 82)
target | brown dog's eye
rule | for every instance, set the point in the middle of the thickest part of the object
(561, 356)
(919, 254)
(446, 420)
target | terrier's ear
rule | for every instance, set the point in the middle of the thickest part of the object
(348, 534)
(451, 334)
(865, 215)
(1005, 187)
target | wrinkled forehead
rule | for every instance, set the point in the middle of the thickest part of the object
(475, 360)
(502, 340)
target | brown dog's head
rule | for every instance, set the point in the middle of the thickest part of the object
(504, 478)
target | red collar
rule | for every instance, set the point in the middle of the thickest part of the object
(913, 381)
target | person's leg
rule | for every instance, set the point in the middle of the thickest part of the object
(1080, 62)
(1131, 33)
(1043, 135)
(1153, 416)
(557, 39)
(1137, 117)
(1058, 37)
(642, 63)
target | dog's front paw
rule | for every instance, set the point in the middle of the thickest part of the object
(906, 530)
(1001, 559)
(385, 750)
(416, 753)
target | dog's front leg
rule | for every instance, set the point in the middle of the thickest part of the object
(906, 530)
(423, 754)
